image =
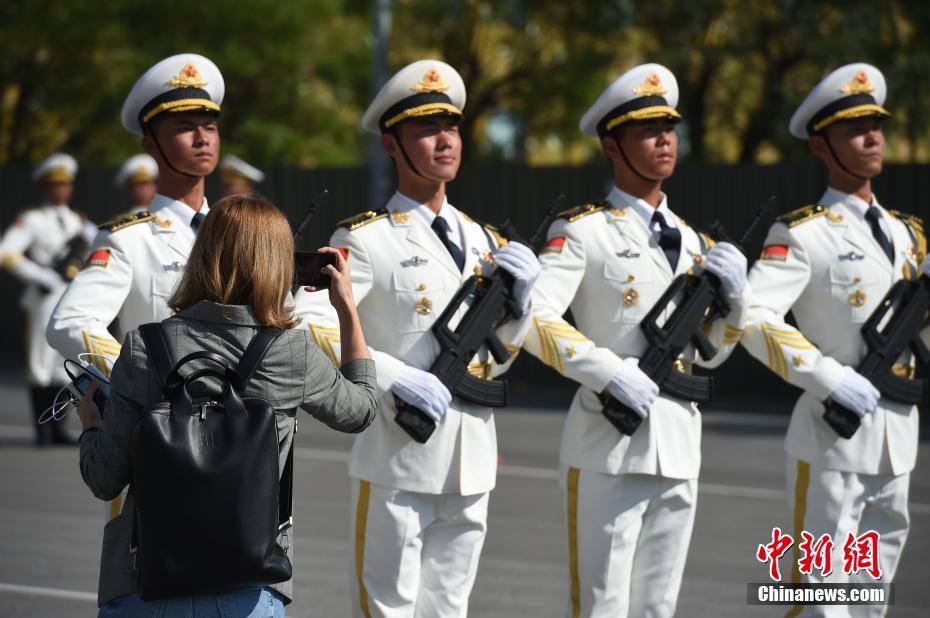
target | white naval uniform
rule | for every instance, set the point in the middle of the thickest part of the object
(419, 513)
(147, 255)
(833, 275)
(625, 556)
(28, 250)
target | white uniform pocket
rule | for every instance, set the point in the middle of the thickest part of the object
(632, 290)
(418, 297)
(855, 290)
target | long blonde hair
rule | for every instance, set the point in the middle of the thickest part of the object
(244, 255)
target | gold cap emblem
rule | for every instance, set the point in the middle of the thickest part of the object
(859, 84)
(188, 77)
(431, 82)
(651, 86)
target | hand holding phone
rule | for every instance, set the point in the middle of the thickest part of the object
(308, 266)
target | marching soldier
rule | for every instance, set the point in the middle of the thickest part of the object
(238, 177)
(136, 260)
(830, 264)
(45, 248)
(629, 500)
(419, 511)
(137, 177)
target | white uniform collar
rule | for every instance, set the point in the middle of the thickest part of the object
(55, 206)
(180, 212)
(853, 203)
(446, 211)
(645, 210)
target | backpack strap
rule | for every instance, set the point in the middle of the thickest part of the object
(255, 352)
(286, 490)
(153, 335)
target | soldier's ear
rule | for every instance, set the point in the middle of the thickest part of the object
(818, 146)
(148, 145)
(610, 148)
(389, 144)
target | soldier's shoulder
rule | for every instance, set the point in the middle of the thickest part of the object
(125, 221)
(576, 213)
(362, 219)
(807, 213)
(915, 222)
(500, 237)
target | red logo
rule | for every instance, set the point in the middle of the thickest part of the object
(860, 553)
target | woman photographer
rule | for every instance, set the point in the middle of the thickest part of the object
(236, 282)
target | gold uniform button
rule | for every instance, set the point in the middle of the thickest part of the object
(630, 296)
(857, 298)
(421, 287)
(630, 278)
(424, 306)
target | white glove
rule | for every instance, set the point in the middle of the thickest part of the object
(925, 267)
(520, 261)
(422, 390)
(726, 261)
(633, 388)
(855, 393)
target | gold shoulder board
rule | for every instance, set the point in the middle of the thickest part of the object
(499, 237)
(577, 212)
(125, 221)
(356, 221)
(916, 226)
(812, 211)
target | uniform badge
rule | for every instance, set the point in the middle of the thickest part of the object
(424, 306)
(99, 258)
(553, 245)
(400, 217)
(651, 86)
(188, 77)
(630, 296)
(174, 267)
(628, 253)
(857, 298)
(859, 84)
(162, 223)
(414, 261)
(570, 351)
(344, 251)
(431, 82)
(852, 256)
(778, 253)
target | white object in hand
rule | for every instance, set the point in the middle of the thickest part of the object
(633, 388)
(726, 261)
(520, 261)
(855, 393)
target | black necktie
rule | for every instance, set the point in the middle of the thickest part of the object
(873, 217)
(669, 239)
(441, 227)
(197, 220)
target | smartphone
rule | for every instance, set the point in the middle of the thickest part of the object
(82, 383)
(307, 265)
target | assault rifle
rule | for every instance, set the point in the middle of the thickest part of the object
(493, 304)
(695, 294)
(70, 259)
(908, 302)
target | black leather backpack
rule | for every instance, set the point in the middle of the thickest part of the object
(208, 502)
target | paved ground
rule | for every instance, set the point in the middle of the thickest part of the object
(50, 525)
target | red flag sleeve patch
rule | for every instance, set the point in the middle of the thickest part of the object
(775, 252)
(554, 245)
(100, 257)
(345, 252)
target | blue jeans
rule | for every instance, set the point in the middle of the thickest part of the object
(252, 603)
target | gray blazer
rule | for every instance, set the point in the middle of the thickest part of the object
(295, 373)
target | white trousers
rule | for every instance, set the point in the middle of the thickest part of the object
(44, 365)
(628, 539)
(414, 554)
(823, 501)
